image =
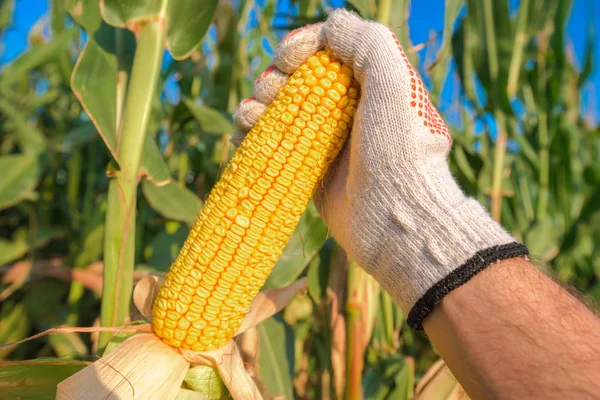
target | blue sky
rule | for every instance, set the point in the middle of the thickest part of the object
(425, 17)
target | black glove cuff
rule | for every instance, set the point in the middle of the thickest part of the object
(425, 305)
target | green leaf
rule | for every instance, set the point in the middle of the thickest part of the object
(130, 13)
(35, 379)
(86, 13)
(276, 347)
(211, 120)
(317, 279)
(227, 31)
(20, 244)
(94, 84)
(308, 238)
(191, 20)
(362, 7)
(318, 272)
(469, 166)
(98, 82)
(7, 8)
(404, 381)
(379, 379)
(187, 21)
(542, 239)
(588, 64)
(78, 136)
(14, 325)
(153, 166)
(92, 247)
(527, 151)
(462, 49)
(31, 140)
(20, 174)
(173, 202)
(34, 57)
(164, 248)
(11, 250)
(44, 303)
(592, 205)
(206, 380)
(399, 15)
(439, 69)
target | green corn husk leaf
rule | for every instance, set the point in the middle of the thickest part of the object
(206, 380)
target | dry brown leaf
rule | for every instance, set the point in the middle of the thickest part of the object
(68, 329)
(145, 293)
(15, 276)
(23, 271)
(439, 383)
(337, 294)
(95, 336)
(338, 354)
(269, 303)
(365, 299)
(248, 344)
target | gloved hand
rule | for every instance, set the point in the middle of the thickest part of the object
(390, 200)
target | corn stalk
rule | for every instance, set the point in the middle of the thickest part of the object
(119, 241)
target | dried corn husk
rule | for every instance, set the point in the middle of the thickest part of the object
(144, 367)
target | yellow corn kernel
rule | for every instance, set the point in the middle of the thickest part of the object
(253, 209)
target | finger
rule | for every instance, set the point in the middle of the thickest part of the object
(298, 46)
(268, 84)
(248, 113)
(360, 44)
(238, 137)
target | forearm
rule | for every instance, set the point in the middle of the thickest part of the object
(511, 332)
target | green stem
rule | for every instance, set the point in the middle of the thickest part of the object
(73, 185)
(354, 339)
(73, 182)
(543, 139)
(383, 11)
(490, 39)
(119, 240)
(388, 317)
(122, 74)
(184, 161)
(90, 178)
(542, 206)
(518, 49)
(311, 10)
(525, 194)
(498, 170)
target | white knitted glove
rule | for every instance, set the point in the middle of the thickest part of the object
(390, 200)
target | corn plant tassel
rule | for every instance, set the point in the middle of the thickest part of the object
(254, 208)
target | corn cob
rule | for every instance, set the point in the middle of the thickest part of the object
(253, 209)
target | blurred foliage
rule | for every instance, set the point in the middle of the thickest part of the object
(521, 147)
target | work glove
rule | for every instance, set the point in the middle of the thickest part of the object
(390, 199)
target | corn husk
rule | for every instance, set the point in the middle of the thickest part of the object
(144, 367)
(207, 381)
(125, 373)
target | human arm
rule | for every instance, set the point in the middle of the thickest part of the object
(512, 333)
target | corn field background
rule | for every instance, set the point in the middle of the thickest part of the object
(80, 117)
